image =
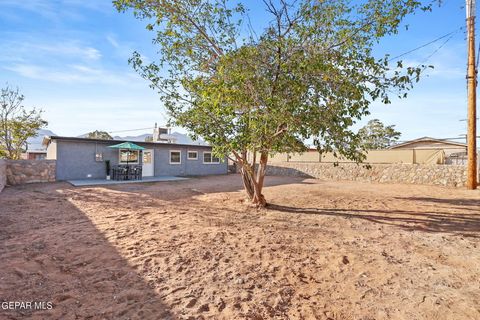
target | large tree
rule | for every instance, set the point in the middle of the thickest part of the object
(251, 92)
(17, 124)
(375, 135)
(97, 134)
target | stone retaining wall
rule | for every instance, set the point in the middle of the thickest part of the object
(30, 171)
(3, 174)
(444, 175)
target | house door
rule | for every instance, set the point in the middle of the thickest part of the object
(147, 164)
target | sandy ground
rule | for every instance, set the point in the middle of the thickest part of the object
(193, 249)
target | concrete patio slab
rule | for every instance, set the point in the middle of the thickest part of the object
(101, 182)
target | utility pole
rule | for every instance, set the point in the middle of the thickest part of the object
(472, 99)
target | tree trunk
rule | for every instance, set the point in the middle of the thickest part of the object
(253, 183)
(248, 182)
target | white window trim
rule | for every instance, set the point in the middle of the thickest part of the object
(188, 155)
(129, 162)
(170, 157)
(211, 157)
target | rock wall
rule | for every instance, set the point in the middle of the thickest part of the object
(3, 174)
(29, 171)
(444, 175)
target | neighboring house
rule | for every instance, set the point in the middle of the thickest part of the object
(35, 148)
(83, 158)
(35, 151)
(35, 155)
(430, 143)
(455, 152)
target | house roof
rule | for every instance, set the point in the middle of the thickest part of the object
(48, 139)
(36, 147)
(429, 139)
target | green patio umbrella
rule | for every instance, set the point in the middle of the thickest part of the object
(128, 146)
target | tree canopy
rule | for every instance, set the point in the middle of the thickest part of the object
(17, 124)
(99, 135)
(375, 135)
(308, 74)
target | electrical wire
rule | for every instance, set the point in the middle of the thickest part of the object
(438, 49)
(429, 43)
(129, 130)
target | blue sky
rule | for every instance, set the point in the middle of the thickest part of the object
(69, 57)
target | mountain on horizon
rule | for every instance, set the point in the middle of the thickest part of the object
(181, 138)
(35, 143)
(140, 137)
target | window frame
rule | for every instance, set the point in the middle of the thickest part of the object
(170, 156)
(129, 162)
(211, 158)
(188, 155)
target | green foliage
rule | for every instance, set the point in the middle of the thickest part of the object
(309, 74)
(16, 123)
(149, 139)
(375, 135)
(99, 135)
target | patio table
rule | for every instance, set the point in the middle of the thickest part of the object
(127, 172)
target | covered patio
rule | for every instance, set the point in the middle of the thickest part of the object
(100, 182)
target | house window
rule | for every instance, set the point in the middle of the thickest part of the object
(175, 157)
(192, 155)
(208, 157)
(128, 156)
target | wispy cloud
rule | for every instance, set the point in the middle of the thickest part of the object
(73, 74)
(28, 49)
(53, 10)
(113, 41)
(70, 48)
(39, 6)
(124, 49)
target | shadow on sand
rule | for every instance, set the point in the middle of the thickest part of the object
(58, 255)
(474, 203)
(183, 189)
(462, 224)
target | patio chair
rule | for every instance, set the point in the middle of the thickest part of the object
(133, 173)
(138, 173)
(122, 173)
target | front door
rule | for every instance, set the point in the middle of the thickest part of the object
(147, 167)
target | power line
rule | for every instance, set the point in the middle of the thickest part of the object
(438, 49)
(429, 43)
(131, 130)
(438, 139)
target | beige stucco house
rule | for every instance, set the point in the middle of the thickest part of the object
(455, 152)
(449, 147)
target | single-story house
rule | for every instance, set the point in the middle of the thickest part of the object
(35, 151)
(449, 147)
(83, 158)
(454, 152)
(34, 155)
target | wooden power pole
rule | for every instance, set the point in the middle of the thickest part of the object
(472, 99)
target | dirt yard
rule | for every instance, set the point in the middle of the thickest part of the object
(194, 250)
